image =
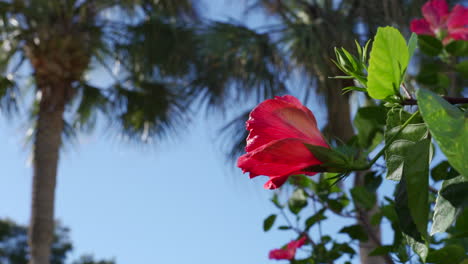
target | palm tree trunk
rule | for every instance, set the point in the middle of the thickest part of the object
(46, 156)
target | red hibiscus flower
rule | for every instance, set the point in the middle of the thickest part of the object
(275, 148)
(439, 22)
(289, 252)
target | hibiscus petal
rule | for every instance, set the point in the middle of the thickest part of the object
(278, 158)
(297, 243)
(282, 254)
(458, 18)
(457, 23)
(459, 33)
(435, 12)
(282, 117)
(275, 182)
(421, 27)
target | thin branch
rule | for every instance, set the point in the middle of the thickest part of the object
(403, 86)
(452, 100)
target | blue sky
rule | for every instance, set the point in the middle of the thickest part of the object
(176, 201)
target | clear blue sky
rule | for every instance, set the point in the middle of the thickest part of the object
(176, 201)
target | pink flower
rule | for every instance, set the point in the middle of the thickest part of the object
(439, 22)
(289, 252)
(275, 148)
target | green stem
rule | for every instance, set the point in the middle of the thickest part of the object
(390, 141)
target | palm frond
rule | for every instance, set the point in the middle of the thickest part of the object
(147, 110)
(238, 63)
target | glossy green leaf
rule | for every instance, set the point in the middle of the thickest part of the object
(430, 45)
(453, 194)
(269, 222)
(388, 61)
(418, 247)
(448, 126)
(416, 171)
(401, 146)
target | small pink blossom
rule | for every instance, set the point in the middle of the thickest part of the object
(290, 251)
(439, 22)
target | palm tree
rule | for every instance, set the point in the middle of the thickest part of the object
(166, 62)
(59, 41)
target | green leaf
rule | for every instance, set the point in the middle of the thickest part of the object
(412, 43)
(418, 247)
(448, 126)
(430, 45)
(416, 171)
(355, 232)
(369, 121)
(329, 157)
(447, 255)
(276, 202)
(319, 216)
(297, 201)
(462, 68)
(284, 227)
(363, 197)
(458, 48)
(443, 171)
(388, 61)
(268, 222)
(353, 88)
(381, 251)
(406, 222)
(401, 146)
(449, 198)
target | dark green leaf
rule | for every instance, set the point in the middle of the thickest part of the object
(381, 251)
(369, 121)
(462, 68)
(355, 232)
(388, 61)
(416, 172)
(276, 202)
(363, 197)
(406, 222)
(319, 216)
(284, 227)
(443, 171)
(327, 155)
(456, 191)
(457, 48)
(268, 222)
(449, 127)
(447, 255)
(430, 45)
